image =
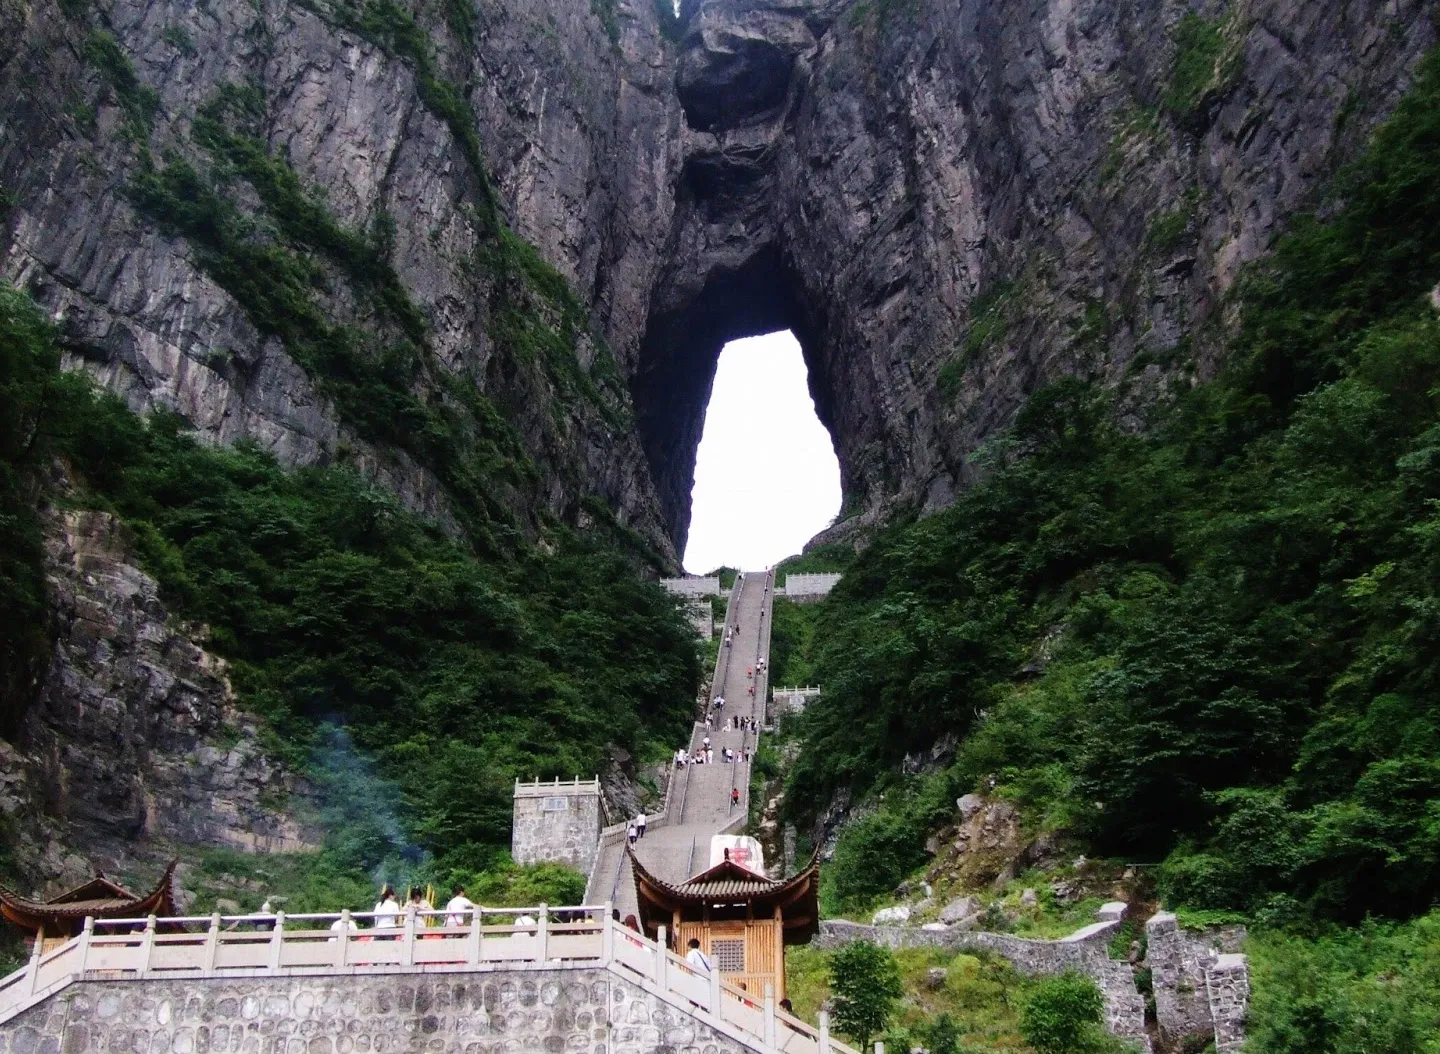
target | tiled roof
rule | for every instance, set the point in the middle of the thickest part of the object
(22, 909)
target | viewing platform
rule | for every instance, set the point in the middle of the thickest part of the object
(536, 979)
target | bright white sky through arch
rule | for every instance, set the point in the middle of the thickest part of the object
(766, 478)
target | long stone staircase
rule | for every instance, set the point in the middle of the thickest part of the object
(519, 980)
(697, 804)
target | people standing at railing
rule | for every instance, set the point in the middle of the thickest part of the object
(460, 906)
(387, 910)
(698, 960)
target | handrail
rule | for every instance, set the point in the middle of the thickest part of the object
(557, 938)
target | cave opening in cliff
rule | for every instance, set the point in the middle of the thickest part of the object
(766, 476)
(745, 318)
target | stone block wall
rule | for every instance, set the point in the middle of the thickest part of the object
(1227, 984)
(557, 824)
(802, 589)
(1177, 969)
(1188, 1002)
(525, 1011)
(1124, 1006)
(702, 616)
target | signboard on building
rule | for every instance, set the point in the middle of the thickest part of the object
(744, 851)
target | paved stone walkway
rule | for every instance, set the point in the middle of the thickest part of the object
(701, 797)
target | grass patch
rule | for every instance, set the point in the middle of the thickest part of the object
(1207, 61)
(137, 101)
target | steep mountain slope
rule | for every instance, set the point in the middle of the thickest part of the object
(483, 257)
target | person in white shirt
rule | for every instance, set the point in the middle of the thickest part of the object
(640, 823)
(344, 924)
(698, 960)
(387, 910)
(459, 908)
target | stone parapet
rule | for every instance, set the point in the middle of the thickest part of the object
(557, 823)
(1086, 951)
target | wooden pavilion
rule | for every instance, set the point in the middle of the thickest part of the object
(742, 919)
(64, 916)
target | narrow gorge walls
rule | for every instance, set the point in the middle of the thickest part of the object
(487, 253)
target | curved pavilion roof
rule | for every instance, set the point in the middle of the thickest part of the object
(728, 884)
(99, 898)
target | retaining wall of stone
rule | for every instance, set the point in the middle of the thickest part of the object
(1227, 983)
(1187, 1003)
(1124, 1006)
(534, 1011)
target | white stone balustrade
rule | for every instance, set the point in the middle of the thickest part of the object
(199, 949)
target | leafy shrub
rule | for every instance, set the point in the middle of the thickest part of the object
(1062, 1014)
(874, 855)
(1373, 988)
(1204, 63)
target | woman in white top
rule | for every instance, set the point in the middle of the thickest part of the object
(387, 910)
(459, 907)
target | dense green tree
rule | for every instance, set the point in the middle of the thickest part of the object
(865, 984)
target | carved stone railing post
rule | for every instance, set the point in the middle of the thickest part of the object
(770, 1015)
(407, 953)
(36, 951)
(212, 945)
(147, 947)
(277, 940)
(82, 945)
(342, 945)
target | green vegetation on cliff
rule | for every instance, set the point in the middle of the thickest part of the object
(1214, 644)
(458, 672)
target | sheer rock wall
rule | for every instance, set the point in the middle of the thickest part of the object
(951, 202)
(863, 171)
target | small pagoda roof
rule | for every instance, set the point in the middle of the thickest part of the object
(729, 883)
(99, 898)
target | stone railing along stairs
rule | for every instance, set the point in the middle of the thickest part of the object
(293, 962)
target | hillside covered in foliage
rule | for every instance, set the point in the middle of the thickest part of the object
(357, 629)
(1212, 643)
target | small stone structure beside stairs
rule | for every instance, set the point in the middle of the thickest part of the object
(1202, 987)
(557, 823)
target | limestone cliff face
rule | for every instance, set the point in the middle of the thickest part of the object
(950, 201)
(135, 746)
(573, 132)
(955, 201)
